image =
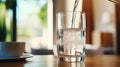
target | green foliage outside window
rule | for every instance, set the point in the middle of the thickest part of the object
(3, 31)
(43, 16)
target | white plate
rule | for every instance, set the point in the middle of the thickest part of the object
(23, 57)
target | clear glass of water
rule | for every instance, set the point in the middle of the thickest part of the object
(71, 36)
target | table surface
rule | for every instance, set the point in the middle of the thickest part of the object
(51, 61)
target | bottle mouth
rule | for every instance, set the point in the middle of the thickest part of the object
(115, 1)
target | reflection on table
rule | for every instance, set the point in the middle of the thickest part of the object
(52, 61)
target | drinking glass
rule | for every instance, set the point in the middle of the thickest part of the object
(71, 34)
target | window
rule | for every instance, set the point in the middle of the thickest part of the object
(35, 24)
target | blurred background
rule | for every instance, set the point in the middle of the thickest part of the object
(33, 21)
(27, 21)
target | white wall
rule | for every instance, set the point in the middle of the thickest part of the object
(103, 7)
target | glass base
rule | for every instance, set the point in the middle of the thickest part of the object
(71, 59)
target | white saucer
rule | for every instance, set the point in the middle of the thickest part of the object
(23, 57)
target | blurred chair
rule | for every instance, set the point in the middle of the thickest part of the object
(103, 41)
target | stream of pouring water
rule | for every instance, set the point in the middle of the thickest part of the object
(74, 17)
(74, 14)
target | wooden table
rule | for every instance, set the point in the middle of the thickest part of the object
(51, 61)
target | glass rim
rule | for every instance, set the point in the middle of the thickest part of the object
(82, 12)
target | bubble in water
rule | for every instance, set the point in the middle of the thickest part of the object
(72, 41)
